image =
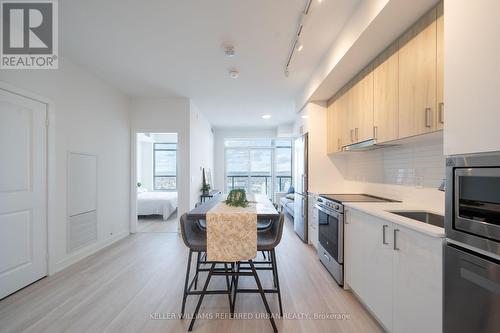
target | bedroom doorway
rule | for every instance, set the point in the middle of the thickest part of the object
(156, 182)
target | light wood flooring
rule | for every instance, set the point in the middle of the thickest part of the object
(121, 287)
(155, 223)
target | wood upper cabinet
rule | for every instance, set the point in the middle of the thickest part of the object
(329, 130)
(417, 78)
(332, 128)
(440, 65)
(397, 96)
(385, 95)
(361, 112)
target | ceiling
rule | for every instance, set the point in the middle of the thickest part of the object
(166, 48)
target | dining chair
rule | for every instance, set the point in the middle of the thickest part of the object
(269, 239)
(195, 238)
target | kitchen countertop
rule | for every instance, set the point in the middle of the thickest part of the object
(381, 210)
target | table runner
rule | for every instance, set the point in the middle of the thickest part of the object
(231, 233)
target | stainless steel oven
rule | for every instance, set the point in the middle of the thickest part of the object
(472, 249)
(331, 237)
(473, 201)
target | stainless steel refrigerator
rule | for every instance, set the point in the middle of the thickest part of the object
(300, 184)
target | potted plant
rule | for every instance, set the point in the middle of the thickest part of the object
(237, 198)
(205, 189)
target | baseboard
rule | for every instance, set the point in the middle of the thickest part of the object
(87, 251)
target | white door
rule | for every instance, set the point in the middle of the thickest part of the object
(23, 224)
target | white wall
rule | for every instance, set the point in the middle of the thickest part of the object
(324, 175)
(472, 76)
(226, 133)
(91, 117)
(201, 153)
(154, 115)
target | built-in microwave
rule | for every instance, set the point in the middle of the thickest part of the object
(473, 201)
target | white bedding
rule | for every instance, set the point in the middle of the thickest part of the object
(156, 203)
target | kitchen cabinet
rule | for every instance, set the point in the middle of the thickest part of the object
(417, 78)
(368, 263)
(330, 130)
(440, 65)
(334, 127)
(400, 94)
(385, 95)
(395, 271)
(418, 265)
(361, 106)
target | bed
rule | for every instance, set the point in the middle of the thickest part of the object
(156, 203)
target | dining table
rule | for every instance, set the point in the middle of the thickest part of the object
(264, 207)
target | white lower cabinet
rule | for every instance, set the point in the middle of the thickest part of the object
(395, 271)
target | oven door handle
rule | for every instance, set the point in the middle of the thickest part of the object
(329, 212)
(340, 243)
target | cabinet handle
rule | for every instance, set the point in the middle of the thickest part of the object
(352, 132)
(396, 248)
(356, 134)
(383, 234)
(428, 122)
(441, 113)
(375, 132)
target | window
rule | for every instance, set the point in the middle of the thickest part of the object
(165, 166)
(260, 166)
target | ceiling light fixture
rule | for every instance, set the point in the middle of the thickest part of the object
(266, 116)
(234, 73)
(296, 45)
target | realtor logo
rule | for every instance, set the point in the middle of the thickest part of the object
(29, 34)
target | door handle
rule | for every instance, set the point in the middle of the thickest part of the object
(383, 234)
(428, 122)
(396, 248)
(441, 113)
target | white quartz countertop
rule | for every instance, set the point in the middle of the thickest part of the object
(380, 210)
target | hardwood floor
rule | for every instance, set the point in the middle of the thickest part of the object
(121, 287)
(155, 223)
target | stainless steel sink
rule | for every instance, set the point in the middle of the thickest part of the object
(422, 216)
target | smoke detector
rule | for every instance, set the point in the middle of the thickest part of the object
(234, 73)
(229, 51)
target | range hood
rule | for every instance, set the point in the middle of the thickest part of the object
(365, 145)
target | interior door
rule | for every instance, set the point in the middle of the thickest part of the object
(23, 224)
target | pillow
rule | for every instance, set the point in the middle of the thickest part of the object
(291, 190)
(290, 196)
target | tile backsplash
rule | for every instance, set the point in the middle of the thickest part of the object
(416, 164)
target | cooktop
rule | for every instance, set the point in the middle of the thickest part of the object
(340, 198)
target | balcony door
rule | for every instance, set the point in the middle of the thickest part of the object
(250, 169)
